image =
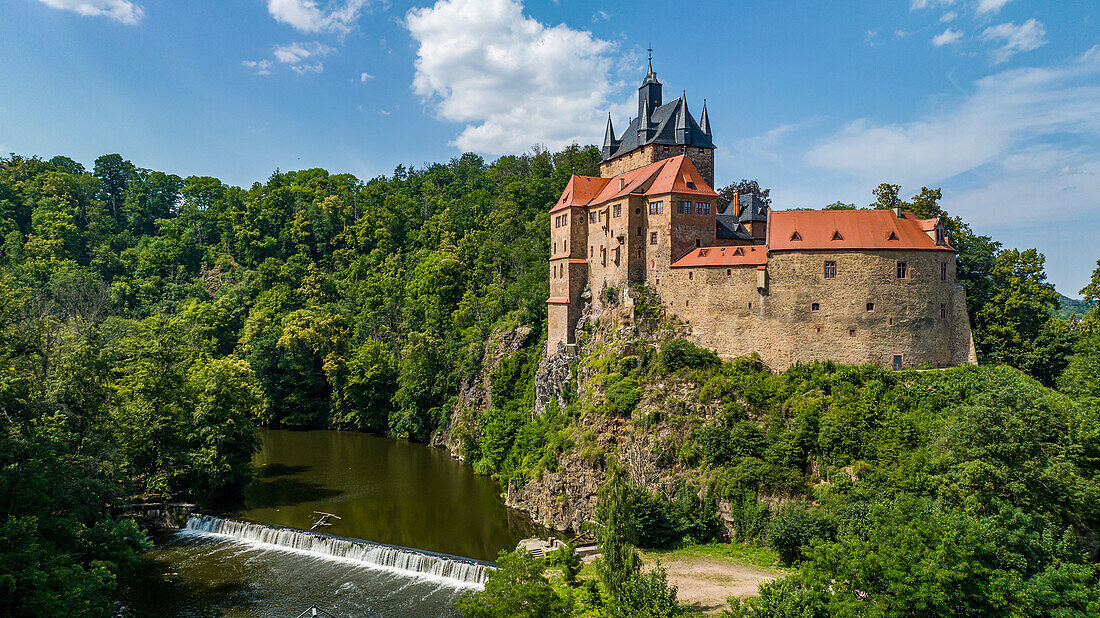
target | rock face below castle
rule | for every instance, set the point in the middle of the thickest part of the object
(854, 286)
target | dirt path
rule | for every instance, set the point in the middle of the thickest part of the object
(704, 582)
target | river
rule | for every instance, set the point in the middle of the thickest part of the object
(382, 489)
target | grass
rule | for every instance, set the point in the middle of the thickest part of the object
(734, 552)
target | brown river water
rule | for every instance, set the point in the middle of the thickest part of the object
(383, 490)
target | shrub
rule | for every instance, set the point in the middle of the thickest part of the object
(683, 354)
(623, 396)
(793, 527)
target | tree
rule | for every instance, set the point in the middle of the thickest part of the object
(726, 194)
(222, 441)
(616, 530)
(569, 560)
(516, 588)
(114, 174)
(1022, 304)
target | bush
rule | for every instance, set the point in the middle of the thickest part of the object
(683, 354)
(567, 558)
(623, 396)
(793, 527)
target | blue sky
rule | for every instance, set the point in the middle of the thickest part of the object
(995, 101)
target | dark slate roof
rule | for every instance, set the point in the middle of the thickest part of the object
(662, 122)
(729, 228)
(752, 209)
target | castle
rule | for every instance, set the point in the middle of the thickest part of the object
(854, 286)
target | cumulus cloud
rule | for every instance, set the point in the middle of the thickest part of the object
(309, 16)
(991, 6)
(1015, 121)
(122, 11)
(364, 76)
(1013, 39)
(947, 37)
(514, 81)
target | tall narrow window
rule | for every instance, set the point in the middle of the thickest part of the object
(943, 271)
(653, 238)
(903, 270)
(698, 242)
(943, 310)
(618, 210)
(639, 230)
(830, 270)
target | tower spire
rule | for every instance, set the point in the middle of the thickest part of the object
(704, 120)
(682, 125)
(643, 123)
(609, 141)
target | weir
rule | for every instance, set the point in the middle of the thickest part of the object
(453, 570)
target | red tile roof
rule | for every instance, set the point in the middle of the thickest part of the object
(849, 229)
(748, 255)
(579, 191)
(675, 176)
(667, 175)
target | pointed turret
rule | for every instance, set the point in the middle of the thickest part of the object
(610, 144)
(704, 120)
(643, 124)
(649, 93)
(683, 127)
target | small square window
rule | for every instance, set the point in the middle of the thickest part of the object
(691, 184)
(729, 271)
(818, 327)
(851, 332)
(815, 307)
(870, 307)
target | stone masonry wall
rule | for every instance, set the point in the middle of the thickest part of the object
(702, 158)
(783, 327)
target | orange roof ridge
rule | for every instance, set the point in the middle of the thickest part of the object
(858, 229)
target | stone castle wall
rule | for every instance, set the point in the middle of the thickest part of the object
(731, 315)
(701, 158)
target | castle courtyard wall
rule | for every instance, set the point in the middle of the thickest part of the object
(782, 326)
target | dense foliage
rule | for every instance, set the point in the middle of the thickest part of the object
(149, 320)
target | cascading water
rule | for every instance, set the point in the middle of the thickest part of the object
(449, 569)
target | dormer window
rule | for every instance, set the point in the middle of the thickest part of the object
(837, 236)
(893, 235)
(690, 184)
(796, 236)
(739, 251)
(622, 183)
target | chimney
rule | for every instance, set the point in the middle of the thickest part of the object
(736, 204)
(897, 212)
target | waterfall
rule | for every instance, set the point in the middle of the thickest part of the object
(449, 569)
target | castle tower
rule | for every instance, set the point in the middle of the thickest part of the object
(661, 130)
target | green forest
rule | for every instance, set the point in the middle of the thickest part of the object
(150, 321)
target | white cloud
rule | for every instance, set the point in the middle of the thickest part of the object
(917, 5)
(948, 17)
(309, 16)
(870, 38)
(947, 37)
(1025, 37)
(1013, 131)
(512, 80)
(119, 10)
(262, 67)
(364, 76)
(991, 6)
(293, 53)
(294, 56)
